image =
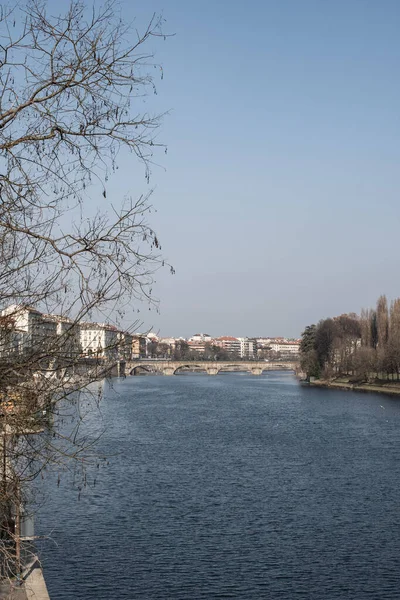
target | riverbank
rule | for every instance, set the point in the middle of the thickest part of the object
(387, 387)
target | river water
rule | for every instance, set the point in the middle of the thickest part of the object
(232, 486)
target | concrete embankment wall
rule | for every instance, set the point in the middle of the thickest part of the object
(389, 388)
(35, 585)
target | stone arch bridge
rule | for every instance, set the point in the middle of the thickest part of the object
(171, 367)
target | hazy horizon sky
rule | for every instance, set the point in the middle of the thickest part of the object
(278, 204)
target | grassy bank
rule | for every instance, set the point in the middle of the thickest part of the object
(382, 387)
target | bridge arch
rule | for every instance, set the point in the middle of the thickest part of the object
(234, 368)
(139, 369)
(190, 366)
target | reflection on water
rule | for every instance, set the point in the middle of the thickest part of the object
(232, 486)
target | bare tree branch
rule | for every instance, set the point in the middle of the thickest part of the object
(71, 99)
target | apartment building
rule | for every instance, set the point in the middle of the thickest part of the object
(286, 348)
(125, 342)
(198, 342)
(263, 342)
(248, 348)
(168, 341)
(12, 340)
(68, 332)
(230, 344)
(201, 337)
(99, 340)
(139, 345)
(37, 328)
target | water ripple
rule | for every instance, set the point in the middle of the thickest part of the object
(233, 487)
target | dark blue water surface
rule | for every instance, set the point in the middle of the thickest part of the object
(232, 486)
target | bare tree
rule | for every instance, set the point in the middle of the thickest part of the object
(348, 338)
(393, 346)
(367, 346)
(71, 89)
(67, 91)
(382, 321)
(365, 363)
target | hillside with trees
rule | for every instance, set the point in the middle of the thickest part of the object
(362, 347)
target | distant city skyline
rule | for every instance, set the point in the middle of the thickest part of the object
(217, 335)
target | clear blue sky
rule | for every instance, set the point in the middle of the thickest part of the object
(279, 204)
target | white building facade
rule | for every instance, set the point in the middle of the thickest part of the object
(289, 349)
(32, 328)
(100, 340)
(230, 344)
(248, 348)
